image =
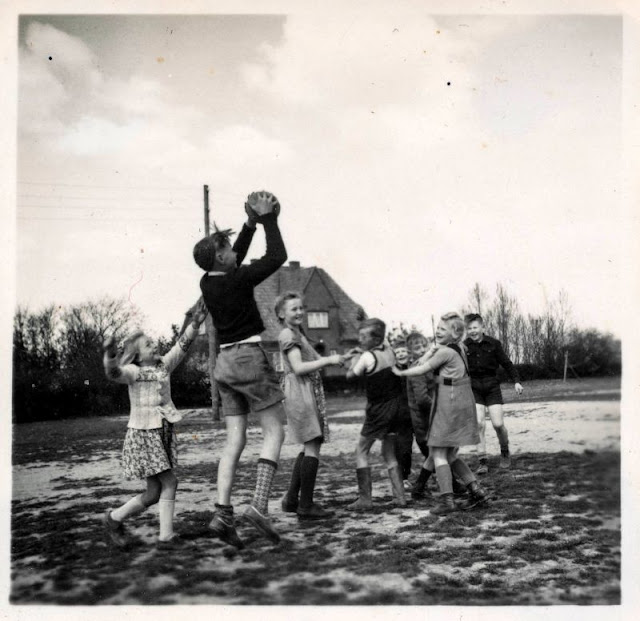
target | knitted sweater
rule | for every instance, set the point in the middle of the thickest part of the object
(149, 387)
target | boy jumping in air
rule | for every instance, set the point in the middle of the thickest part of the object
(245, 377)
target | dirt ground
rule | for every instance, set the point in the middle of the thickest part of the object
(550, 536)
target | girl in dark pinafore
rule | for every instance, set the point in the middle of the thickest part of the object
(453, 415)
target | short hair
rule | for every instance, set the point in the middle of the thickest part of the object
(399, 342)
(282, 299)
(377, 327)
(416, 336)
(472, 317)
(204, 252)
(456, 325)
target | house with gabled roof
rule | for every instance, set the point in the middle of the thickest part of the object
(332, 317)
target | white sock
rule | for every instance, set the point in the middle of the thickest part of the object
(165, 508)
(132, 507)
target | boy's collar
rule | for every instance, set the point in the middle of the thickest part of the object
(216, 273)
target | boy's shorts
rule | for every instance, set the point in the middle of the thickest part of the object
(246, 380)
(486, 391)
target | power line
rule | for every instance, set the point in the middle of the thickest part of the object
(108, 187)
(93, 198)
(92, 208)
(94, 219)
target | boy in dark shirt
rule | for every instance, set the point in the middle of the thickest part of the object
(485, 354)
(245, 377)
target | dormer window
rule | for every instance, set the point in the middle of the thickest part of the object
(317, 319)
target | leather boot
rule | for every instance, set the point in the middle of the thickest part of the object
(419, 490)
(445, 505)
(397, 486)
(364, 491)
(478, 497)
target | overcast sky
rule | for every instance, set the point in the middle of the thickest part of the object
(413, 155)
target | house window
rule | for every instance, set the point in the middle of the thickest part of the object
(317, 319)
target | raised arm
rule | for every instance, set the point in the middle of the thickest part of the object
(122, 374)
(243, 241)
(265, 207)
(177, 353)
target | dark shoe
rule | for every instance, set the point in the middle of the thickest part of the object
(459, 489)
(116, 532)
(482, 469)
(478, 497)
(261, 522)
(505, 460)
(314, 512)
(222, 527)
(171, 544)
(397, 487)
(445, 505)
(287, 505)
(424, 494)
(364, 491)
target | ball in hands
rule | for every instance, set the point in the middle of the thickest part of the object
(261, 203)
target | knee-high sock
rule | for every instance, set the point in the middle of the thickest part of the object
(128, 509)
(461, 471)
(294, 486)
(266, 472)
(166, 508)
(445, 483)
(308, 473)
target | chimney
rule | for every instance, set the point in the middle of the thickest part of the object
(294, 265)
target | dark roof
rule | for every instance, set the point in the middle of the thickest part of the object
(289, 278)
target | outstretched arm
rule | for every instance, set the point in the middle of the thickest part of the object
(302, 368)
(177, 353)
(116, 373)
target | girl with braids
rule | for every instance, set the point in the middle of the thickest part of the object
(453, 419)
(304, 405)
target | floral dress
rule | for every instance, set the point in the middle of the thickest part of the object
(304, 401)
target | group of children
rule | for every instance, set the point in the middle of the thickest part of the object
(435, 403)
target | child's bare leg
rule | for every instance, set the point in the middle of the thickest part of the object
(169, 485)
(134, 506)
(362, 451)
(139, 503)
(236, 440)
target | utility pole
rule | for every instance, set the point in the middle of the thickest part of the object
(566, 364)
(212, 337)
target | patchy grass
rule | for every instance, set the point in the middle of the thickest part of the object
(550, 536)
(530, 546)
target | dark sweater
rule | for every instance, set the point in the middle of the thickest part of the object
(486, 356)
(229, 297)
